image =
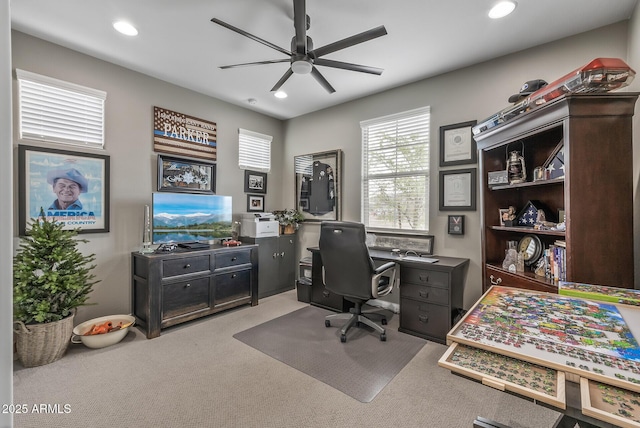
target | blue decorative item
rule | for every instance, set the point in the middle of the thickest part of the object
(555, 162)
(532, 213)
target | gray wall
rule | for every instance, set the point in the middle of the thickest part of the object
(6, 214)
(472, 93)
(129, 109)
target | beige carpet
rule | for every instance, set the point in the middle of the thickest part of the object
(198, 375)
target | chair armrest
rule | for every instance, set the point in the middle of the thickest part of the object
(390, 270)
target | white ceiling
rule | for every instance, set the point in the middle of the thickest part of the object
(178, 43)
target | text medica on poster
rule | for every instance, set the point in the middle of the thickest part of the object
(69, 189)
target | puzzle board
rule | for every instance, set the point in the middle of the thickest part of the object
(595, 340)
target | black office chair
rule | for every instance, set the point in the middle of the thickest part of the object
(349, 271)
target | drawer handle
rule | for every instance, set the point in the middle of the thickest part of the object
(187, 285)
(234, 275)
(275, 255)
(187, 266)
(424, 294)
(495, 281)
(423, 318)
(282, 254)
(233, 259)
(424, 278)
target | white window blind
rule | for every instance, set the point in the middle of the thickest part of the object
(254, 151)
(395, 171)
(60, 112)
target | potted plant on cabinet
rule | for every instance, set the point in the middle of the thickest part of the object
(289, 220)
(51, 278)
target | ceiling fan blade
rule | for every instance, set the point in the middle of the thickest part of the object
(322, 81)
(350, 41)
(283, 79)
(251, 36)
(348, 66)
(300, 24)
(273, 61)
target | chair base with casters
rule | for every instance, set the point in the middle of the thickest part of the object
(355, 317)
(385, 277)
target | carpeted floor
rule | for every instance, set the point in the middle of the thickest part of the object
(360, 368)
(197, 375)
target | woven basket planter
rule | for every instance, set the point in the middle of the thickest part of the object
(40, 344)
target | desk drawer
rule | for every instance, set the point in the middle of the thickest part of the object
(425, 318)
(183, 266)
(425, 293)
(184, 297)
(425, 277)
(232, 258)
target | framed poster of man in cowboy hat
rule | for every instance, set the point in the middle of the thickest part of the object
(71, 187)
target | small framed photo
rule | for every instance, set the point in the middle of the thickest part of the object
(458, 190)
(457, 146)
(504, 215)
(255, 203)
(456, 225)
(255, 182)
(177, 174)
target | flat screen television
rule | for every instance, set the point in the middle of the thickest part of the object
(190, 218)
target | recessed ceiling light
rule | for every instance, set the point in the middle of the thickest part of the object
(280, 94)
(125, 28)
(502, 9)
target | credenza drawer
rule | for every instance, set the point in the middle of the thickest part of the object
(425, 293)
(232, 258)
(183, 266)
(232, 286)
(424, 318)
(185, 296)
(425, 277)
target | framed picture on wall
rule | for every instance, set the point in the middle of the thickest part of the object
(318, 185)
(255, 203)
(70, 187)
(458, 190)
(177, 174)
(255, 182)
(457, 146)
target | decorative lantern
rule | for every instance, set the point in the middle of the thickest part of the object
(515, 168)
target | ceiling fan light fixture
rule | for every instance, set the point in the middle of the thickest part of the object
(280, 94)
(301, 67)
(502, 9)
(125, 28)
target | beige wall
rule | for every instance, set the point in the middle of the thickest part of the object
(129, 109)
(472, 93)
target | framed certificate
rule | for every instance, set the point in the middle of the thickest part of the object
(457, 146)
(458, 190)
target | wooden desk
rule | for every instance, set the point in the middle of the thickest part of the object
(510, 333)
(431, 294)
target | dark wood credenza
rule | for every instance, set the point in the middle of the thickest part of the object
(176, 287)
(431, 294)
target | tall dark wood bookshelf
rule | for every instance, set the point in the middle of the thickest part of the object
(596, 193)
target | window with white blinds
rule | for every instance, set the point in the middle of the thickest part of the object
(395, 171)
(60, 112)
(254, 150)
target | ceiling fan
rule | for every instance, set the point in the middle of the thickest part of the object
(302, 56)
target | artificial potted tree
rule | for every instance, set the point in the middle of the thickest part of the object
(289, 220)
(51, 278)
